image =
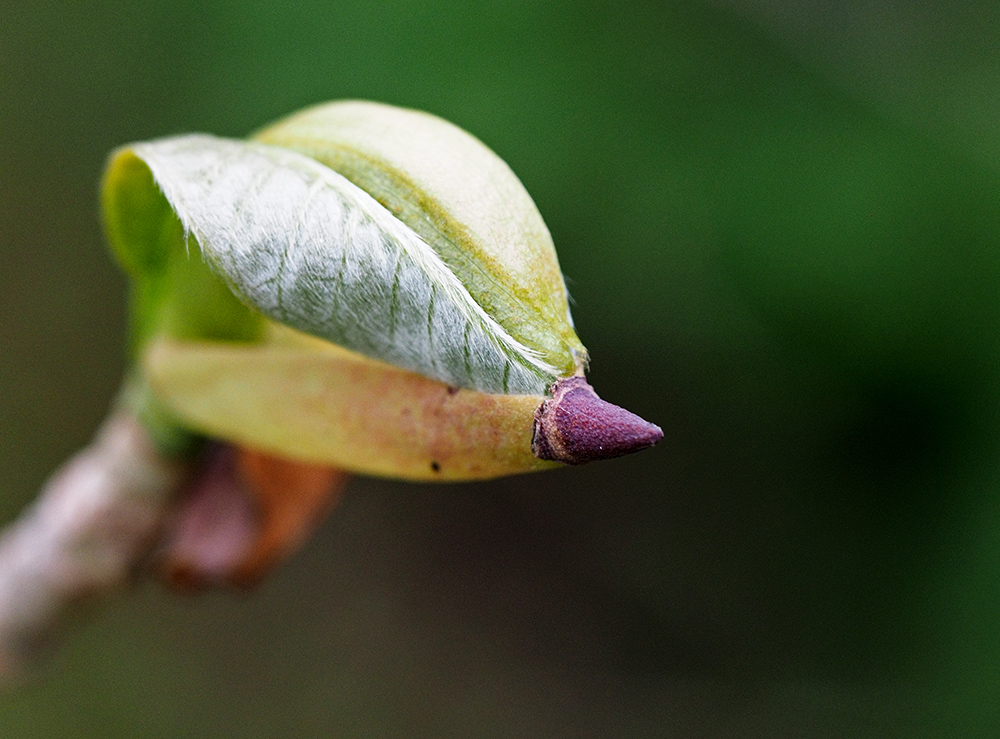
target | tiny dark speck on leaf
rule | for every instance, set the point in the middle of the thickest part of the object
(452, 390)
(435, 466)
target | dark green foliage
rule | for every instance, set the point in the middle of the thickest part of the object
(782, 233)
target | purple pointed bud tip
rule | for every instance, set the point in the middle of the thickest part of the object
(575, 426)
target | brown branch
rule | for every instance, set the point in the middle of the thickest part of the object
(87, 535)
(121, 507)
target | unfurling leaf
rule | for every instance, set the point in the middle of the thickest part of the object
(390, 233)
(311, 250)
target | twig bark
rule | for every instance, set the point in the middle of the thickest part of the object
(87, 535)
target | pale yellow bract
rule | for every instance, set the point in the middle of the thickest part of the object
(310, 400)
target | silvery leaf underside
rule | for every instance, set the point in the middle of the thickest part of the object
(309, 249)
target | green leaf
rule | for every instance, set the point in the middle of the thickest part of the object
(309, 249)
(459, 197)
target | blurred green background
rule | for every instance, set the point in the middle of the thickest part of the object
(781, 226)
